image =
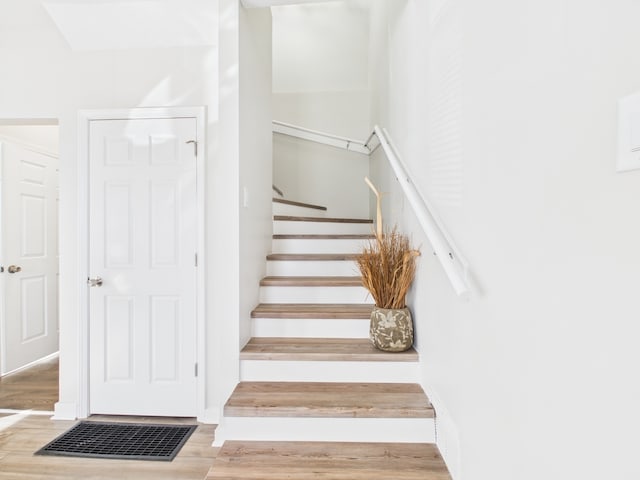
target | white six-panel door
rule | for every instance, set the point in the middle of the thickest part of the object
(29, 256)
(142, 249)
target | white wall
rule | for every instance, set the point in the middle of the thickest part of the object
(42, 78)
(239, 237)
(320, 67)
(42, 136)
(321, 82)
(256, 226)
(322, 175)
(506, 113)
(344, 113)
(223, 233)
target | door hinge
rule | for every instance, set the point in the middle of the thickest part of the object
(195, 146)
(196, 369)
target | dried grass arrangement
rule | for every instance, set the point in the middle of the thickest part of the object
(388, 266)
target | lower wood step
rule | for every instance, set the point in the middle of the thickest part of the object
(321, 349)
(312, 257)
(356, 236)
(291, 218)
(313, 310)
(353, 281)
(327, 412)
(328, 400)
(241, 460)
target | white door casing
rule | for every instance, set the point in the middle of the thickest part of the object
(29, 319)
(143, 241)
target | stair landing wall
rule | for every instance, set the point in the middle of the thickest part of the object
(322, 175)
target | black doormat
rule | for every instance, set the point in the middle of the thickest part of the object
(131, 441)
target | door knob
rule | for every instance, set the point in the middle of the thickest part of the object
(94, 282)
(13, 269)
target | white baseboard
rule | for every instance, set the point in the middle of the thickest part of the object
(210, 416)
(65, 411)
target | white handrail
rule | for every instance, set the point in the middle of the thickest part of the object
(453, 263)
(320, 137)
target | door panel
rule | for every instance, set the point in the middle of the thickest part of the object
(165, 339)
(29, 241)
(33, 293)
(143, 238)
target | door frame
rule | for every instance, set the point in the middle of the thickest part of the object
(84, 119)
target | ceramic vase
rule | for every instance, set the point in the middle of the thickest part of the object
(391, 330)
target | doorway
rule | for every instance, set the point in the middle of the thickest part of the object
(28, 243)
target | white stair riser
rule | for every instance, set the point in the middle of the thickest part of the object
(318, 246)
(296, 211)
(310, 328)
(395, 430)
(323, 371)
(285, 227)
(314, 295)
(311, 268)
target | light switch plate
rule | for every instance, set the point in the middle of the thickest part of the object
(245, 197)
(628, 133)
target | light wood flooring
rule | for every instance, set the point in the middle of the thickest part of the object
(33, 389)
(23, 430)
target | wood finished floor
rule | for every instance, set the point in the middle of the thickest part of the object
(26, 402)
(33, 389)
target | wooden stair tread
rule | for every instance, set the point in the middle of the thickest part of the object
(321, 349)
(311, 282)
(313, 236)
(294, 218)
(328, 400)
(299, 204)
(328, 460)
(315, 257)
(313, 310)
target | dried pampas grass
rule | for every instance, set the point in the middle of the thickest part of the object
(388, 266)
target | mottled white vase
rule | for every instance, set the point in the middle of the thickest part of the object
(391, 330)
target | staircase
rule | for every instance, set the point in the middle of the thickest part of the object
(310, 374)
